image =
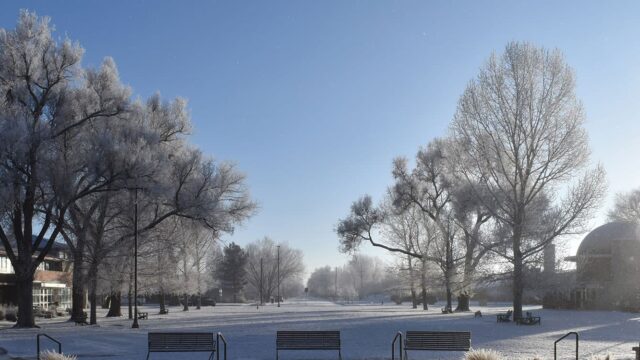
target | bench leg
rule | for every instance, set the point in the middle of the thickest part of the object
(148, 353)
(276, 354)
(340, 354)
(212, 354)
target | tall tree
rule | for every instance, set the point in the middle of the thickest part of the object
(519, 133)
(45, 96)
(231, 271)
(429, 187)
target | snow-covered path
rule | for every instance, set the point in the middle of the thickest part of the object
(366, 331)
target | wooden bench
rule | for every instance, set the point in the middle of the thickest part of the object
(308, 340)
(528, 320)
(143, 315)
(505, 317)
(184, 342)
(436, 341)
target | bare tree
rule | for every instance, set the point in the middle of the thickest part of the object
(519, 132)
(626, 207)
(266, 250)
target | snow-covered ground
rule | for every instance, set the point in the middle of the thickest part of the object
(366, 331)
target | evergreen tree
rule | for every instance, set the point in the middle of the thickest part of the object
(231, 270)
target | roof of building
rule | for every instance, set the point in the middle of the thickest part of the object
(600, 239)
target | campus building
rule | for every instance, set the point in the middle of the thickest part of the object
(52, 280)
(608, 268)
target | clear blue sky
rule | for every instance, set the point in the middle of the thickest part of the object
(313, 99)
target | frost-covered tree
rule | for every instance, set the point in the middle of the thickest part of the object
(519, 135)
(72, 142)
(45, 95)
(429, 187)
(626, 207)
(404, 228)
(291, 267)
(322, 283)
(450, 221)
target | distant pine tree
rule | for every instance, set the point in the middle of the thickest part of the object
(231, 271)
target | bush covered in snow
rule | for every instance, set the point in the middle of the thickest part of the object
(483, 354)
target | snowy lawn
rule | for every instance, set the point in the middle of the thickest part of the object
(367, 331)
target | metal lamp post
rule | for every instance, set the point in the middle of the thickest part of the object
(135, 262)
(278, 275)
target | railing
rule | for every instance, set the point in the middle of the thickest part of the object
(50, 338)
(555, 353)
(224, 341)
(393, 346)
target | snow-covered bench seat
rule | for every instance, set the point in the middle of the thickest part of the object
(183, 342)
(437, 341)
(308, 340)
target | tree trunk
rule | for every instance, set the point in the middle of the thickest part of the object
(185, 305)
(24, 286)
(92, 301)
(463, 302)
(78, 288)
(163, 308)
(93, 288)
(414, 298)
(105, 301)
(423, 285)
(465, 294)
(518, 284)
(93, 298)
(448, 273)
(115, 302)
(129, 298)
(199, 304)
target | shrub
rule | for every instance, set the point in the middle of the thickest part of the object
(11, 313)
(51, 355)
(1, 314)
(482, 354)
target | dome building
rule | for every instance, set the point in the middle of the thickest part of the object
(608, 268)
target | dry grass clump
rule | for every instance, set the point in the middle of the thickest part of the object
(483, 354)
(51, 355)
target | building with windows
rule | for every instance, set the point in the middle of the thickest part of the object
(52, 280)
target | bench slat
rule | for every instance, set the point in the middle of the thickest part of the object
(308, 340)
(438, 341)
(181, 342)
